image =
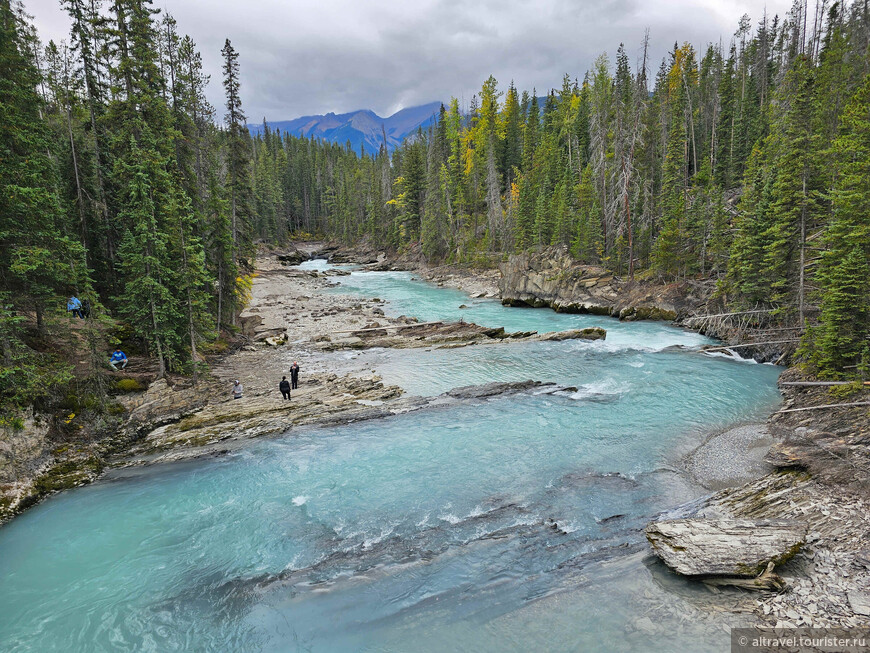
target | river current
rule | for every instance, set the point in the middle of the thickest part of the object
(510, 523)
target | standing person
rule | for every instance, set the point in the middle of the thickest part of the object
(294, 374)
(237, 390)
(75, 305)
(284, 387)
(118, 357)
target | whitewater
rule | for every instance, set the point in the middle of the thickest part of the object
(508, 523)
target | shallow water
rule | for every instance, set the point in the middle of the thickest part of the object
(505, 524)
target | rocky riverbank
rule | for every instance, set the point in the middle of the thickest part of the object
(819, 480)
(811, 467)
(291, 317)
(816, 473)
(552, 278)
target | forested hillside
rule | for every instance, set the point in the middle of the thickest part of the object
(747, 164)
(119, 183)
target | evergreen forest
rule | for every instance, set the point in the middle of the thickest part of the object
(744, 164)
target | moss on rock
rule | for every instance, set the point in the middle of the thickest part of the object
(68, 474)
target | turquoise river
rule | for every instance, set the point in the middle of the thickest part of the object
(512, 523)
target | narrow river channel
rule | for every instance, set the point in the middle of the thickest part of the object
(506, 524)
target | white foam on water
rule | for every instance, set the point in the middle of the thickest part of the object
(300, 500)
(601, 391)
(384, 534)
(732, 355)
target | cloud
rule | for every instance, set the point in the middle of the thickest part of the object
(307, 57)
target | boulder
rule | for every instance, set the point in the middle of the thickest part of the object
(591, 333)
(291, 258)
(724, 547)
(277, 341)
(493, 389)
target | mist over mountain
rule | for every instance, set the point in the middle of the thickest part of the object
(363, 128)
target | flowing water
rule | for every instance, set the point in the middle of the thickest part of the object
(504, 524)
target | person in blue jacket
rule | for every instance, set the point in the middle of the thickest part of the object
(118, 357)
(75, 305)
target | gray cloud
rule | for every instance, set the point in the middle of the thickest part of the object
(309, 56)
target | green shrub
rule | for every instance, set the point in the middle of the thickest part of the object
(129, 385)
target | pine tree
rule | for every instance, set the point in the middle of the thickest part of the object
(528, 189)
(436, 204)
(510, 155)
(88, 39)
(587, 245)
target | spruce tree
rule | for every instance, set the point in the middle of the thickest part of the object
(38, 261)
(841, 337)
(670, 253)
(793, 190)
(148, 300)
(237, 183)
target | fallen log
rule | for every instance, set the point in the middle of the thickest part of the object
(724, 547)
(795, 410)
(750, 344)
(819, 383)
(706, 317)
(767, 580)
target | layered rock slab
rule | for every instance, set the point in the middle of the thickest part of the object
(725, 547)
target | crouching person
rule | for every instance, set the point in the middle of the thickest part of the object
(118, 357)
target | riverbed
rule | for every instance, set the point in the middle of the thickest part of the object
(496, 524)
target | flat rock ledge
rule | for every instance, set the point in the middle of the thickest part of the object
(725, 547)
(590, 333)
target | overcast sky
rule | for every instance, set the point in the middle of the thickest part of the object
(301, 57)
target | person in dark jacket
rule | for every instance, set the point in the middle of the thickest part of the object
(284, 387)
(237, 390)
(294, 374)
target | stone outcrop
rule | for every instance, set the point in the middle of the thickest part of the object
(725, 547)
(445, 334)
(293, 257)
(178, 433)
(552, 278)
(36, 461)
(494, 389)
(831, 444)
(591, 333)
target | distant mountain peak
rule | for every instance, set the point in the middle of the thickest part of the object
(363, 128)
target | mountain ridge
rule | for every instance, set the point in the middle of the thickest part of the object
(363, 128)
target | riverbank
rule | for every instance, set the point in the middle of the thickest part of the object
(810, 466)
(292, 316)
(295, 315)
(821, 479)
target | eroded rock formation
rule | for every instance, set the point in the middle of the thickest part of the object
(553, 278)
